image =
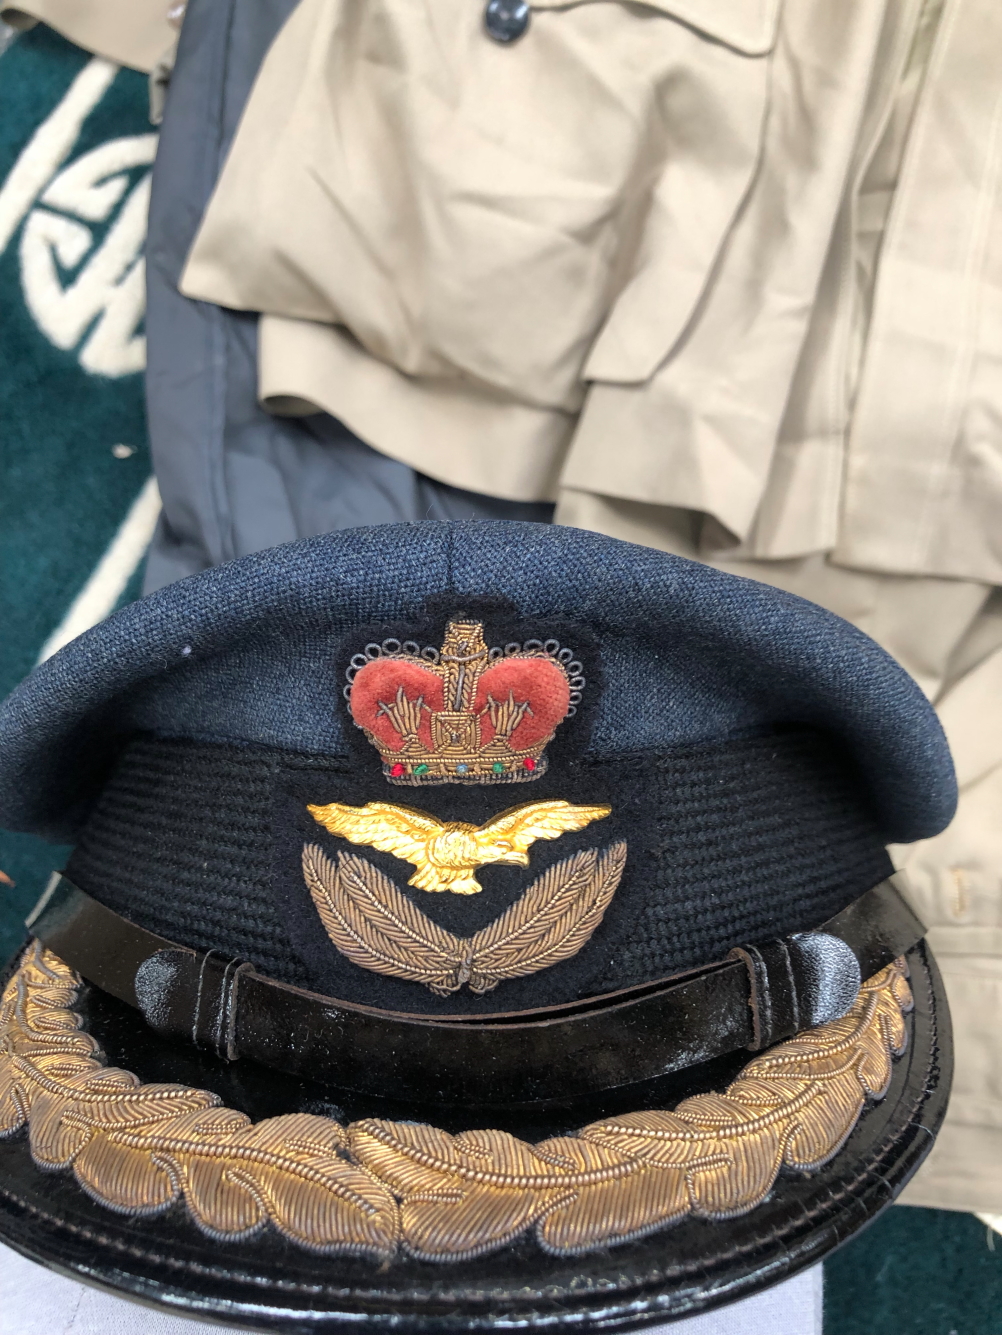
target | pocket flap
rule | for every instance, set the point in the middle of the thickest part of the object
(748, 26)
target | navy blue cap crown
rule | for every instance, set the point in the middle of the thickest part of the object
(244, 652)
(753, 752)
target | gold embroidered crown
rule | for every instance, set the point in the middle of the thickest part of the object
(463, 713)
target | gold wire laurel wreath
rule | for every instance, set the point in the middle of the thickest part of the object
(377, 927)
(374, 1186)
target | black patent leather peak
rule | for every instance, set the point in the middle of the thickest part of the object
(268, 1284)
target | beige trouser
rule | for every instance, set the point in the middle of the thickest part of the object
(948, 634)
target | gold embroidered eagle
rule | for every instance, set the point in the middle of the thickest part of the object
(446, 853)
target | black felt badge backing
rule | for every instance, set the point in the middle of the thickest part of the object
(463, 915)
(502, 626)
(737, 841)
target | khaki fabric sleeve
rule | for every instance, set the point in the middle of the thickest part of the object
(923, 490)
(135, 33)
(305, 367)
(956, 887)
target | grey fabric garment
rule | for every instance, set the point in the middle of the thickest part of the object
(233, 478)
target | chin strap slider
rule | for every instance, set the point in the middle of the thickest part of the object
(797, 982)
(194, 997)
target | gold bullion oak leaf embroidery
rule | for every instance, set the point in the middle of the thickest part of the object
(446, 853)
(377, 927)
(375, 1186)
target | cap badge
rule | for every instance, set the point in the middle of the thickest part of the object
(371, 922)
(463, 713)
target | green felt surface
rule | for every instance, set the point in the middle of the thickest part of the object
(917, 1272)
(63, 495)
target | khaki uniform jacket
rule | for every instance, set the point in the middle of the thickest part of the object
(624, 256)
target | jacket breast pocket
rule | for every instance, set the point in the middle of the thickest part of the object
(521, 216)
(584, 181)
(710, 119)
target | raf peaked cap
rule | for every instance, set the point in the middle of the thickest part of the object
(467, 924)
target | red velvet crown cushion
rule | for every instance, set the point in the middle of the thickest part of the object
(536, 681)
(378, 683)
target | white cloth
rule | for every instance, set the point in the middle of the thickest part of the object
(36, 1302)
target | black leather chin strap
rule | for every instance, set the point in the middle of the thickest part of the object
(757, 996)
